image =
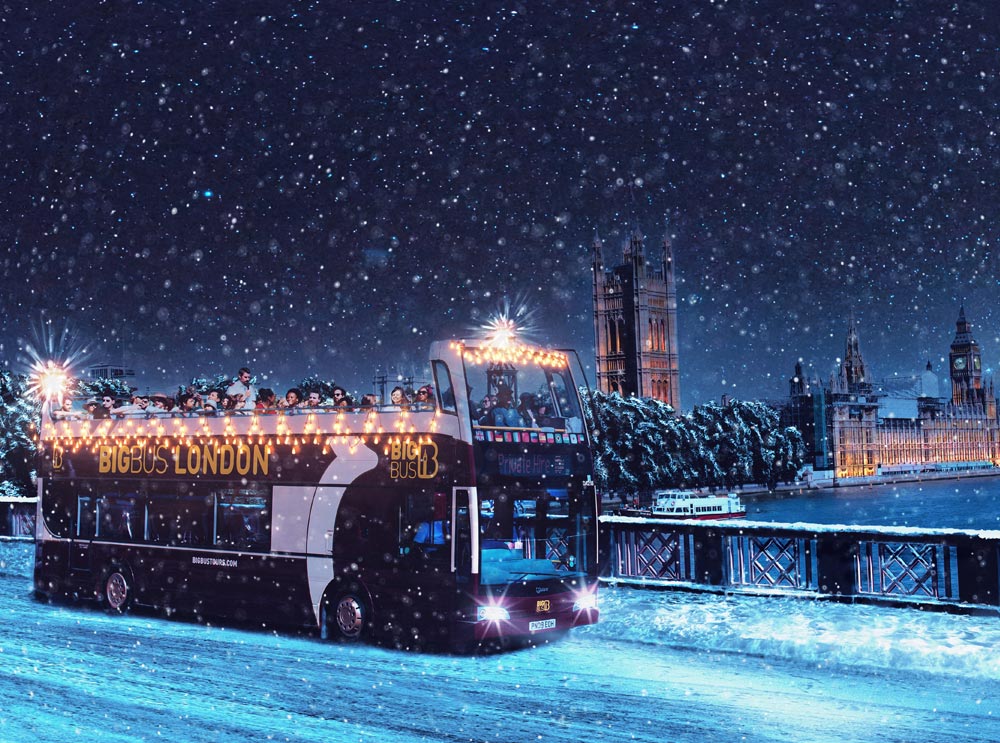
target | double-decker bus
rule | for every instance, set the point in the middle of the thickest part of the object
(461, 520)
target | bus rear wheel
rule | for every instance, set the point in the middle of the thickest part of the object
(117, 589)
(347, 618)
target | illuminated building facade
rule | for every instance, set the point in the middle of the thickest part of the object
(859, 428)
(635, 322)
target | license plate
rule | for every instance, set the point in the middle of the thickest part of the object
(541, 624)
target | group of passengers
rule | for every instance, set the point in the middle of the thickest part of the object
(241, 395)
(503, 409)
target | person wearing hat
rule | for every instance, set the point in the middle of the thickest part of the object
(162, 403)
(94, 409)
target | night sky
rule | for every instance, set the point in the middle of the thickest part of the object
(327, 187)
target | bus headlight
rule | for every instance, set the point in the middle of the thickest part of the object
(492, 614)
(585, 602)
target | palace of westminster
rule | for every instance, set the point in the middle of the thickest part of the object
(852, 426)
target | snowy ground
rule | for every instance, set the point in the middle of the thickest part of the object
(660, 667)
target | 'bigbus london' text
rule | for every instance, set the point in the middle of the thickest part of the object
(207, 459)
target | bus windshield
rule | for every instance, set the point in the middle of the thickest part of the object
(535, 537)
(507, 395)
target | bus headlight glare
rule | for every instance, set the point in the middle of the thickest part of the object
(585, 602)
(492, 614)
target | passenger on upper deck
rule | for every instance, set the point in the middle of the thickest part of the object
(137, 408)
(527, 410)
(188, 405)
(162, 403)
(369, 401)
(505, 414)
(425, 396)
(213, 401)
(293, 399)
(398, 399)
(484, 414)
(242, 390)
(341, 399)
(266, 402)
(65, 411)
(312, 400)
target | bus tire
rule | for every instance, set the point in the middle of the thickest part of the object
(117, 589)
(347, 617)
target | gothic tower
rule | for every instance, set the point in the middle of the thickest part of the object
(965, 363)
(854, 365)
(635, 322)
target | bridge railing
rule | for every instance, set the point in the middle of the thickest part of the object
(893, 565)
(17, 516)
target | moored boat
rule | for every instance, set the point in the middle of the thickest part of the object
(689, 504)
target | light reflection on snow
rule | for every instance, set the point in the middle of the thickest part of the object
(810, 632)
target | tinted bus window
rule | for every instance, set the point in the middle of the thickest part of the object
(442, 380)
(463, 534)
(243, 519)
(119, 517)
(424, 526)
(58, 507)
(180, 521)
(86, 516)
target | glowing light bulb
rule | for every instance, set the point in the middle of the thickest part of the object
(49, 380)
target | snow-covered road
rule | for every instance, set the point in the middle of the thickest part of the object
(661, 667)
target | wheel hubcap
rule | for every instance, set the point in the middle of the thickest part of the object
(350, 619)
(116, 590)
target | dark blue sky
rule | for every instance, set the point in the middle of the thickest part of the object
(311, 188)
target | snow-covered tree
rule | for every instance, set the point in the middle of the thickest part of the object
(315, 384)
(203, 384)
(99, 387)
(640, 445)
(19, 413)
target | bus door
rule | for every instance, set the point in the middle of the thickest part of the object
(83, 531)
(465, 527)
(421, 583)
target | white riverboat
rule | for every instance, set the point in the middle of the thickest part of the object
(690, 504)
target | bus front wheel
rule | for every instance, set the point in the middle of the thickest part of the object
(347, 617)
(117, 589)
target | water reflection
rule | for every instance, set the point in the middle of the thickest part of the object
(967, 503)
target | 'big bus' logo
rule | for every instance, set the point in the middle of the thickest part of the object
(412, 460)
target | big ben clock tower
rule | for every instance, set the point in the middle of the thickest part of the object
(965, 363)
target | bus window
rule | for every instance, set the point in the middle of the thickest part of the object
(462, 528)
(442, 382)
(424, 526)
(58, 507)
(566, 400)
(243, 519)
(117, 517)
(180, 521)
(86, 517)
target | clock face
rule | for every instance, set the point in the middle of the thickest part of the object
(958, 362)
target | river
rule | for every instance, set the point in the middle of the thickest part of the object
(965, 503)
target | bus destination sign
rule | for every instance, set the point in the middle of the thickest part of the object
(532, 464)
